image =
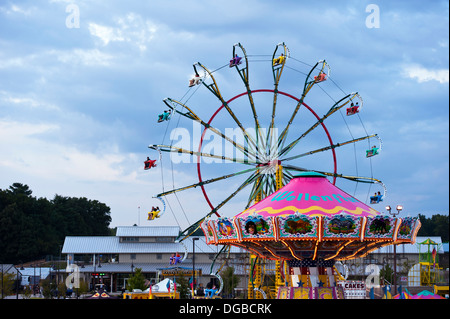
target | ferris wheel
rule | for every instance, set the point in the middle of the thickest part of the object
(261, 138)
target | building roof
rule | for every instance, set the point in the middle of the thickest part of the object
(148, 231)
(91, 245)
(8, 268)
(147, 267)
(112, 245)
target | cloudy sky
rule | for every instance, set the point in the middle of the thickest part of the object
(82, 83)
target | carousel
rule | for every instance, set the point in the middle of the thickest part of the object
(307, 226)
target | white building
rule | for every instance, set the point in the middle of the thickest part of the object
(111, 259)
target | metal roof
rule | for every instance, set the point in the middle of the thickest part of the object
(8, 268)
(146, 267)
(148, 231)
(112, 245)
(91, 245)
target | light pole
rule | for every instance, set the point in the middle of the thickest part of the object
(193, 264)
(399, 209)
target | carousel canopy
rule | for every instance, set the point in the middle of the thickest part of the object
(310, 219)
(309, 194)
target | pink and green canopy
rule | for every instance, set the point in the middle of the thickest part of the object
(310, 194)
(310, 218)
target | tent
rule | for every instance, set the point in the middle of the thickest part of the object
(403, 295)
(101, 294)
(427, 295)
(162, 286)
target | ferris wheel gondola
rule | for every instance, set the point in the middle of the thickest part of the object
(355, 106)
(375, 150)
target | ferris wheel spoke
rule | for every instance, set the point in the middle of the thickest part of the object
(191, 229)
(360, 179)
(244, 75)
(192, 116)
(287, 176)
(309, 83)
(293, 168)
(277, 69)
(213, 88)
(326, 148)
(209, 181)
(324, 73)
(255, 192)
(248, 181)
(337, 106)
(173, 149)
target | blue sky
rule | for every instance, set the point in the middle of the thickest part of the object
(78, 102)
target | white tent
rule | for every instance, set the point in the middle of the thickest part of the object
(162, 286)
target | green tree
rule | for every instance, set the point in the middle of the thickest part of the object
(20, 189)
(137, 280)
(230, 280)
(182, 287)
(437, 225)
(7, 281)
(31, 228)
(387, 273)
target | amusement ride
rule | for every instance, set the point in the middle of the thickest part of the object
(276, 151)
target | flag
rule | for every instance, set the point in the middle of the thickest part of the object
(387, 292)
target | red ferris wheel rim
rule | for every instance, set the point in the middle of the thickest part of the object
(246, 93)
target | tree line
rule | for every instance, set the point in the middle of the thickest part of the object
(436, 225)
(32, 228)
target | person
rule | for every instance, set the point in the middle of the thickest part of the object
(235, 61)
(250, 227)
(164, 116)
(177, 258)
(172, 260)
(153, 214)
(379, 196)
(278, 60)
(195, 80)
(149, 163)
(321, 77)
(200, 291)
(211, 292)
(373, 151)
(373, 199)
(376, 198)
